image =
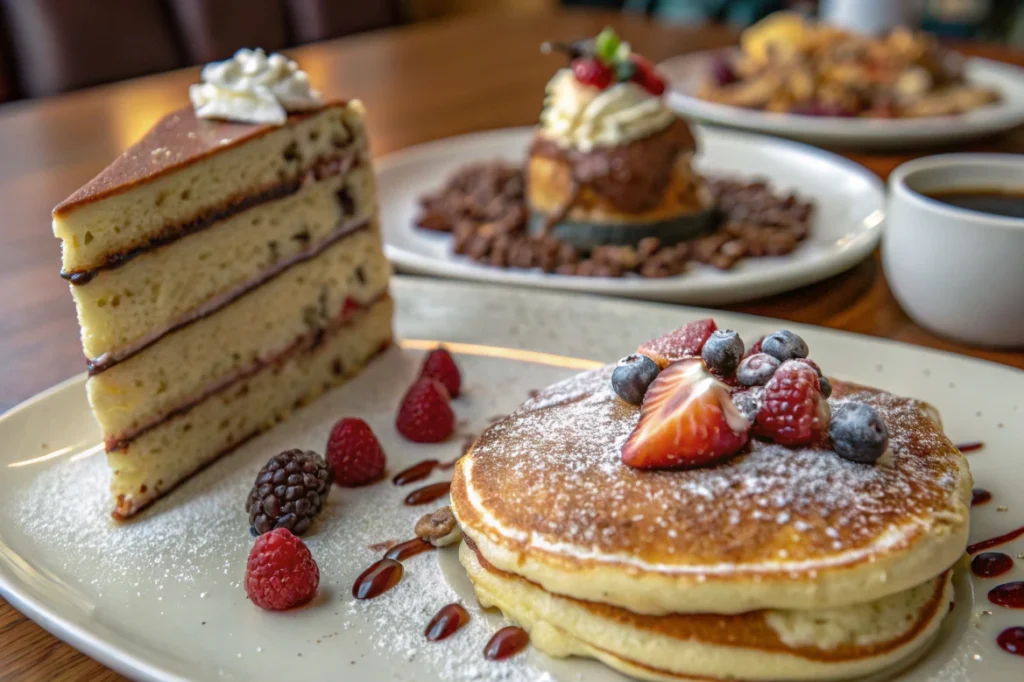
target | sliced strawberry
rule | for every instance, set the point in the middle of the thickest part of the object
(687, 420)
(684, 342)
(754, 349)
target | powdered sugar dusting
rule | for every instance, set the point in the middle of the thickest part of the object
(560, 453)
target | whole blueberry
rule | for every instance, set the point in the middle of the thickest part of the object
(748, 403)
(723, 351)
(757, 369)
(784, 345)
(826, 385)
(858, 433)
(632, 376)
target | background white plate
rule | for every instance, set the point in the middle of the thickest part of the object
(160, 598)
(685, 72)
(849, 211)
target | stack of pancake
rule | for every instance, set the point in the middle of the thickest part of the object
(780, 564)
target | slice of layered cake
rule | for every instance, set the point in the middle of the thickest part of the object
(226, 270)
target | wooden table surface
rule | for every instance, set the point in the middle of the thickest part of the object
(419, 83)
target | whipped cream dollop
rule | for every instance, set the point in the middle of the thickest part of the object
(584, 117)
(253, 87)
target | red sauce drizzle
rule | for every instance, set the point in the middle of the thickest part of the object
(377, 579)
(417, 472)
(980, 496)
(993, 542)
(991, 564)
(428, 493)
(408, 549)
(446, 622)
(505, 643)
(1011, 640)
(1010, 595)
(970, 447)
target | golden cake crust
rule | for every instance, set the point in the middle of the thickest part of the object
(176, 141)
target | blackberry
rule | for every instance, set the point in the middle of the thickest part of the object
(289, 491)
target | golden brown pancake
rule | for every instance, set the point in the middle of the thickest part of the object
(544, 495)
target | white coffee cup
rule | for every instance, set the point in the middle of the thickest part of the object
(871, 17)
(957, 271)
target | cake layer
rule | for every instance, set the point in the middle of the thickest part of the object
(122, 309)
(181, 366)
(776, 527)
(163, 456)
(187, 172)
(816, 644)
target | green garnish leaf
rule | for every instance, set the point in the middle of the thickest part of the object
(624, 70)
(606, 45)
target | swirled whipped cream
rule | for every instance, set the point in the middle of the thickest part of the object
(584, 117)
(252, 87)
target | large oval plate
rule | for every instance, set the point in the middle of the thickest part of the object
(848, 221)
(685, 73)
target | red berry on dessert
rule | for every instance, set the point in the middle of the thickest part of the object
(425, 415)
(685, 342)
(592, 72)
(441, 366)
(280, 573)
(354, 454)
(646, 75)
(793, 411)
(687, 420)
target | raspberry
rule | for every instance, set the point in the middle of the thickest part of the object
(441, 366)
(289, 491)
(425, 415)
(794, 411)
(645, 74)
(280, 572)
(592, 72)
(354, 453)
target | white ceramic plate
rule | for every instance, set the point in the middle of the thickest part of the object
(685, 73)
(848, 221)
(160, 598)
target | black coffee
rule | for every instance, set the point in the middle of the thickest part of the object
(1006, 202)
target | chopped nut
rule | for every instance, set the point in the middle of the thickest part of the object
(439, 528)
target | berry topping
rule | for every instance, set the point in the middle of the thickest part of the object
(592, 72)
(646, 75)
(755, 349)
(794, 411)
(687, 420)
(280, 573)
(425, 415)
(354, 453)
(632, 376)
(722, 71)
(722, 351)
(826, 385)
(858, 433)
(685, 342)
(757, 369)
(441, 366)
(784, 345)
(289, 491)
(748, 402)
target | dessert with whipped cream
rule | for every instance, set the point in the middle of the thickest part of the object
(702, 512)
(226, 269)
(610, 162)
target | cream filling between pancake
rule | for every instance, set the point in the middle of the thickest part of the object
(562, 627)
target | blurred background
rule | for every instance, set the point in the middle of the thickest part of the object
(52, 46)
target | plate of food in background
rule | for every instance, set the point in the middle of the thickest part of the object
(818, 83)
(614, 193)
